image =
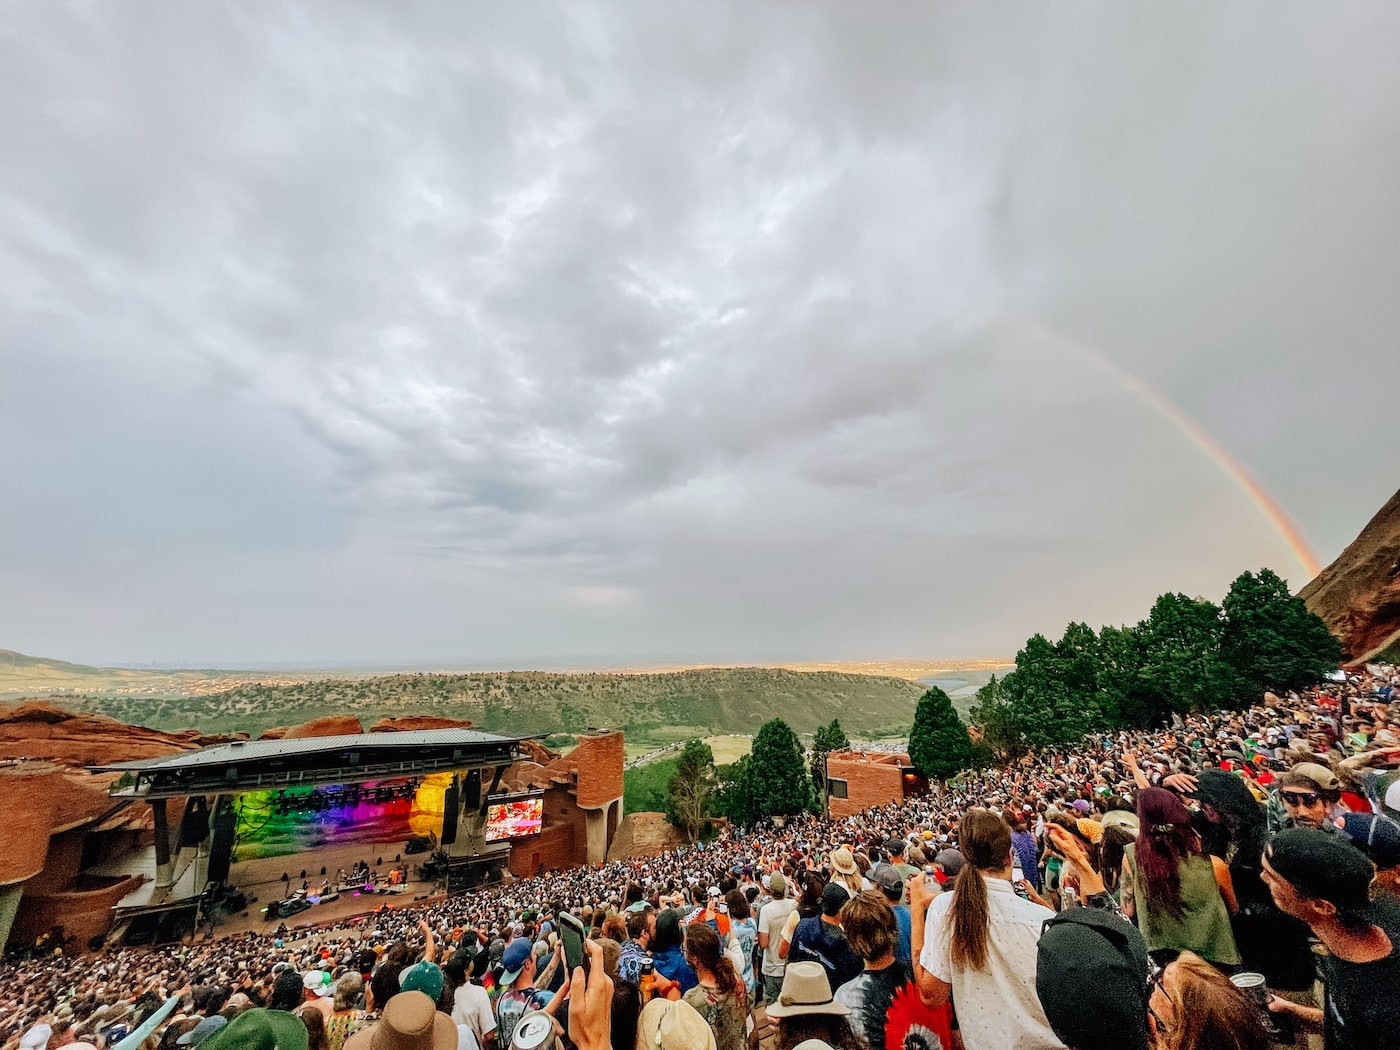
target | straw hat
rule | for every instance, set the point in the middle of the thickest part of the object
(410, 1022)
(673, 1024)
(805, 991)
(843, 861)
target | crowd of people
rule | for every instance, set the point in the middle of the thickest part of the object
(1226, 881)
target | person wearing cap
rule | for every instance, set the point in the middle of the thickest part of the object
(819, 939)
(771, 920)
(520, 995)
(1088, 955)
(1306, 797)
(895, 849)
(318, 990)
(889, 883)
(202, 1031)
(1325, 881)
(1378, 837)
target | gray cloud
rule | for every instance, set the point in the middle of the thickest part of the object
(502, 334)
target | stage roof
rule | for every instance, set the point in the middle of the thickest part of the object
(256, 765)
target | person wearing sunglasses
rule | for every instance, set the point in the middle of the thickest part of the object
(1309, 794)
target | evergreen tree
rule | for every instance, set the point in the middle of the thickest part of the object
(774, 779)
(938, 744)
(1181, 655)
(1271, 639)
(992, 714)
(691, 791)
(829, 738)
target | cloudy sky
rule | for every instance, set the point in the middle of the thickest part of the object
(529, 335)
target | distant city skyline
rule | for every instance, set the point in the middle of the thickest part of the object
(334, 336)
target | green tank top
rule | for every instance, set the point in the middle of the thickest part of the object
(1202, 927)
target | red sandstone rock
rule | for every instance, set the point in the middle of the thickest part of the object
(1358, 595)
(330, 725)
(410, 723)
(644, 835)
(37, 729)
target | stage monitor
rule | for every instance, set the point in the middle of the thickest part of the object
(514, 818)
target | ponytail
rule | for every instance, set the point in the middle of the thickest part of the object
(970, 918)
(985, 842)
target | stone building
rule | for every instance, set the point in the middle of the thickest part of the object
(857, 780)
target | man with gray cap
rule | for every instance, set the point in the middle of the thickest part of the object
(1306, 797)
(770, 928)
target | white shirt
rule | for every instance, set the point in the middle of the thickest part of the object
(997, 1008)
(770, 921)
(471, 1006)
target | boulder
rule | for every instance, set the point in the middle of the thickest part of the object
(1358, 595)
(410, 723)
(330, 725)
(39, 729)
(644, 835)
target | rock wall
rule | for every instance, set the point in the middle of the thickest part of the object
(1358, 595)
(36, 729)
(644, 835)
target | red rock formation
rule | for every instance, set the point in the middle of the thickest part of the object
(1358, 595)
(330, 725)
(36, 729)
(410, 723)
(644, 835)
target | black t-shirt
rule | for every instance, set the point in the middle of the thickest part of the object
(821, 942)
(1361, 1005)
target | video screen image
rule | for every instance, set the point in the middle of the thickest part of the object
(298, 820)
(515, 819)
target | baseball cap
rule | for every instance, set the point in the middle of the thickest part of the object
(887, 878)
(1310, 774)
(1374, 835)
(950, 860)
(202, 1031)
(1324, 867)
(834, 895)
(318, 981)
(517, 953)
(894, 847)
(425, 977)
(777, 885)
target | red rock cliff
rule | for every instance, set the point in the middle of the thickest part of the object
(1358, 595)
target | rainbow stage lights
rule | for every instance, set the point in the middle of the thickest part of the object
(298, 820)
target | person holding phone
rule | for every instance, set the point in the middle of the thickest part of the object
(520, 995)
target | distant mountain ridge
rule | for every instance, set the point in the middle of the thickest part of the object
(11, 659)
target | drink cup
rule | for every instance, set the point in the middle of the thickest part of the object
(1257, 988)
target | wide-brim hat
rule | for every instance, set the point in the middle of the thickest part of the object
(843, 861)
(260, 1029)
(806, 990)
(410, 1022)
(673, 1024)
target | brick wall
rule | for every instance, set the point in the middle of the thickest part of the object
(871, 780)
(562, 844)
(598, 762)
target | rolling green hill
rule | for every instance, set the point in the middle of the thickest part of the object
(660, 706)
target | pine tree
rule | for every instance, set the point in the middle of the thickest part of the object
(1271, 639)
(938, 744)
(775, 781)
(691, 791)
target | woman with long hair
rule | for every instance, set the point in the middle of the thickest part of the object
(744, 930)
(720, 997)
(808, 906)
(978, 943)
(1181, 898)
(345, 1009)
(315, 1022)
(1193, 1006)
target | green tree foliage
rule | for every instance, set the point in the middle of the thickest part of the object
(644, 787)
(992, 713)
(1271, 639)
(731, 799)
(691, 790)
(774, 780)
(1188, 655)
(939, 746)
(829, 738)
(1182, 659)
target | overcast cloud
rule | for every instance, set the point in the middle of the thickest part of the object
(518, 334)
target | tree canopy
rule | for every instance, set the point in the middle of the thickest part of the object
(691, 790)
(772, 780)
(939, 746)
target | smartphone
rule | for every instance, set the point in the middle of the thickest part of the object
(572, 935)
(1017, 875)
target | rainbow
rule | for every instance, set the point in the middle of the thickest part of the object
(1277, 518)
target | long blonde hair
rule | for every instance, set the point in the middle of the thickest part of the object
(985, 842)
(1209, 1012)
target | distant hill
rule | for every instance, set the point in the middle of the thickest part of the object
(13, 661)
(698, 702)
(1358, 595)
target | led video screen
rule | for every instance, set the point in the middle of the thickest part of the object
(514, 819)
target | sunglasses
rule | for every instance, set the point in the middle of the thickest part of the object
(1153, 984)
(1301, 798)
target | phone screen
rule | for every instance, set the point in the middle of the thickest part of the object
(571, 934)
(1017, 875)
